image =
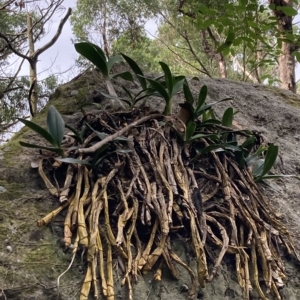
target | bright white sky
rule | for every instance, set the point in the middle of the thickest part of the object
(61, 56)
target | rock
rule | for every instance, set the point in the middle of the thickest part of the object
(39, 258)
(74, 93)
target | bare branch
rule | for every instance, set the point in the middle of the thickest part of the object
(8, 89)
(185, 37)
(55, 38)
(15, 51)
(177, 54)
(6, 4)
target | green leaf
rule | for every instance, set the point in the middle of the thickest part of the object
(96, 160)
(124, 75)
(190, 129)
(270, 158)
(137, 99)
(187, 93)
(272, 6)
(53, 149)
(222, 146)
(41, 131)
(253, 158)
(227, 43)
(248, 145)
(115, 98)
(95, 55)
(159, 88)
(297, 55)
(201, 98)
(56, 125)
(77, 135)
(204, 136)
(209, 106)
(177, 87)
(136, 69)
(207, 115)
(179, 78)
(70, 160)
(113, 60)
(127, 92)
(250, 140)
(168, 77)
(228, 117)
(288, 10)
(240, 158)
(202, 8)
(258, 168)
(210, 122)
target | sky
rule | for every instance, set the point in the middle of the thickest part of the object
(60, 58)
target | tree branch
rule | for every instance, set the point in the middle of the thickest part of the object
(185, 37)
(15, 51)
(6, 4)
(55, 38)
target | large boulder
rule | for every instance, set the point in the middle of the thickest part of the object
(32, 258)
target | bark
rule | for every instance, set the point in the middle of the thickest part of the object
(243, 70)
(259, 58)
(286, 60)
(104, 33)
(218, 56)
(33, 93)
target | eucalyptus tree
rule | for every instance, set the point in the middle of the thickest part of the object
(104, 21)
(248, 40)
(288, 41)
(256, 36)
(33, 15)
(22, 24)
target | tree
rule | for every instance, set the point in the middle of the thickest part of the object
(256, 43)
(284, 12)
(102, 22)
(32, 24)
(142, 49)
(243, 40)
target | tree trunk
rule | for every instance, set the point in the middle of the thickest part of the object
(212, 54)
(33, 92)
(104, 32)
(287, 67)
(286, 59)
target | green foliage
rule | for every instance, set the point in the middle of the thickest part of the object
(247, 31)
(97, 57)
(199, 108)
(113, 19)
(167, 89)
(261, 165)
(165, 86)
(143, 50)
(14, 103)
(93, 162)
(201, 124)
(54, 134)
(242, 34)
